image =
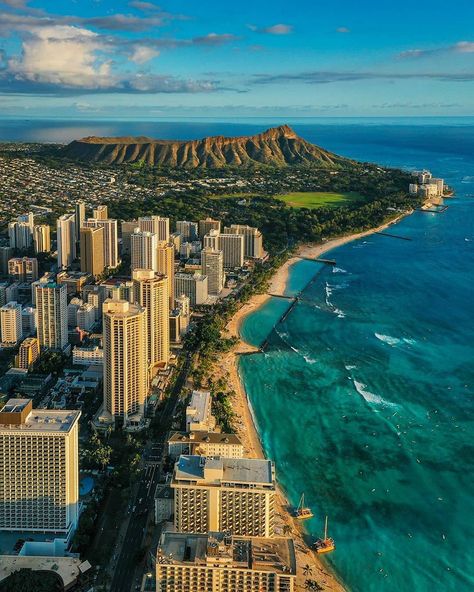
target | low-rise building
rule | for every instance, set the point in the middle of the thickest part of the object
(205, 444)
(199, 412)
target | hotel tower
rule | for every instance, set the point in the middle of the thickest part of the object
(39, 468)
(125, 360)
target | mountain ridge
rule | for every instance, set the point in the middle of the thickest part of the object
(277, 146)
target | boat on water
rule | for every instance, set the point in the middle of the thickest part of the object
(326, 544)
(302, 512)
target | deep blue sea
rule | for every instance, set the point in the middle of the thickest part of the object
(364, 396)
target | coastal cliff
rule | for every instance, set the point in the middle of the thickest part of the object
(279, 146)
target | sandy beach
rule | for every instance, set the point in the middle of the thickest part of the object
(310, 566)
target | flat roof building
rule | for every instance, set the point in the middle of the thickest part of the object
(199, 412)
(220, 562)
(39, 468)
(224, 494)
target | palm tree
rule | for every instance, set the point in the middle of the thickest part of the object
(307, 570)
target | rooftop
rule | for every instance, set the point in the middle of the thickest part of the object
(224, 470)
(205, 437)
(260, 554)
(69, 568)
(18, 416)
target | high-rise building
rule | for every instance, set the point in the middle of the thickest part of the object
(28, 218)
(165, 265)
(51, 306)
(92, 250)
(125, 360)
(85, 316)
(23, 269)
(111, 257)
(127, 228)
(151, 292)
(221, 562)
(253, 241)
(144, 250)
(20, 235)
(157, 225)
(232, 246)
(194, 286)
(205, 226)
(66, 238)
(79, 217)
(42, 238)
(6, 253)
(183, 305)
(100, 213)
(10, 323)
(188, 230)
(224, 494)
(28, 353)
(29, 321)
(72, 309)
(39, 468)
(212, 265)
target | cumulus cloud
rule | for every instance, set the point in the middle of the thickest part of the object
(142, 54)
(343, 30)
(214, 39)
(61, 55)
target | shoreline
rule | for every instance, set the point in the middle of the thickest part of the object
(246, 428)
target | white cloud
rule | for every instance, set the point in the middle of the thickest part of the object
(279, 29)
(142, 54)
(343, 30)
(63, 55)
(465, 46)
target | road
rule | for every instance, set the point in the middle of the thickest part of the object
(127, 572)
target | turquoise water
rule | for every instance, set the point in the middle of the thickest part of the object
(364, 396)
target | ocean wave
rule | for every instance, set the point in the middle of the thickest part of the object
(389, 340)
(348, 367)
(338, 270)
(340, 313)
(361, 388)
(309, 360)
(294, 349)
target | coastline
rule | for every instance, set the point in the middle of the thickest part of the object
(227, 367)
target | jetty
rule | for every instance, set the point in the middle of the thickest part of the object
(319, 260)
(430, 211)
(407, 238)
(281, 296)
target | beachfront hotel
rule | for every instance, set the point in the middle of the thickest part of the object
(39, 468)
(253, 240)
(220, 562)
(224, 494)
(205, 444)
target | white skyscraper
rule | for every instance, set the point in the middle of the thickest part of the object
(51, 306)
(42, 238)
(144, 250)
(66, 238)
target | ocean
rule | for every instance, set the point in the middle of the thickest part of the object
(364, 396)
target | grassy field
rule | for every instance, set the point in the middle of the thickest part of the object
(319, 199)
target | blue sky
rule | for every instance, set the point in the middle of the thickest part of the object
(209, 58)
